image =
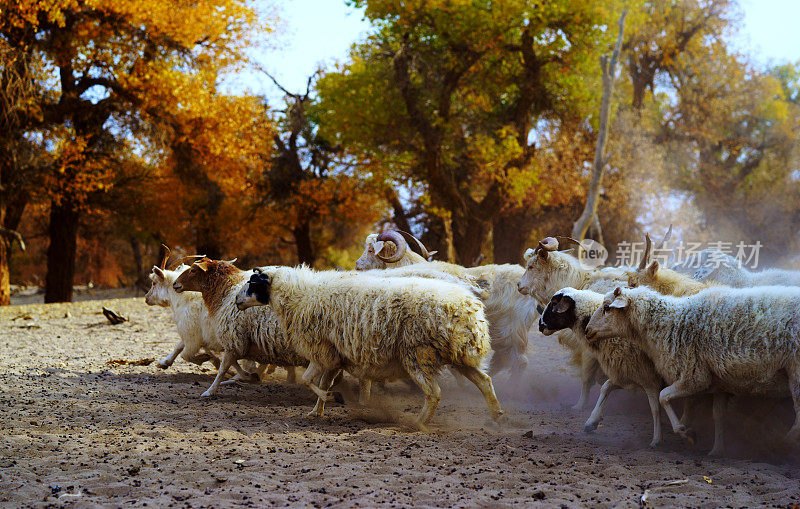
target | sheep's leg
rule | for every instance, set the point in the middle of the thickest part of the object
(242, 376)
(433, 394)
(200, 358)
(169, 359)
(498, 362)
(484, 383)
(589, 368)
(310, 377)
(227, 360)
(600, 406)
(520, 365)
(364, 389)
(689, 407)
(655, 410)
(680, 389)
(720, 401)
(326, 381)
(261, 368)
(458, 378)
(291, 375)
(794, 388)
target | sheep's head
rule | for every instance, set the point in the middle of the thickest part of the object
(569, 309)
(392, 247)
(162, 278)
(256, 291)
(544, 264)
(160, 286)
(610, 319)
(372, 247)
(648, 276)
(204, 275)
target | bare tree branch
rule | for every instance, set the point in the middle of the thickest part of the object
(14, 235)
(609, 67)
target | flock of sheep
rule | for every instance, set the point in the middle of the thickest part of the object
(726, 331)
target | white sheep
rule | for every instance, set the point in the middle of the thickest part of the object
(737, 341)
(714, 266)
(190, 316)
(548, 270)
(625, 364)
(510, 314)
(253, 335)
(378, 328)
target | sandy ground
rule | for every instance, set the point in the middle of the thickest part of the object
(76, 430)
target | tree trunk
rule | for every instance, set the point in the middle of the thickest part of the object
(5, 274)
(10, 218)
(207, 243)
(469, 236)
(302, 240)
(63, 233)
(510, 235)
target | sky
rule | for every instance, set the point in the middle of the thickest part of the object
(314, 32)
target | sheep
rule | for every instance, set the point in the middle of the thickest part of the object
(255, 335)
(737, 341)
(378, 328)
(625, 364)
(510, 314)
(547, 271)
(188, 312)
(714, 266)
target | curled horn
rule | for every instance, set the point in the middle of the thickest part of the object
(190, 258)
(566, 241)
(414, 242)
(648, 246)
(398, 240)
(163, 265)
(549, 244)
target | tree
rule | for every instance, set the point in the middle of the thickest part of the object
(731, 134)
(665, 33)
(310, 191)
(454, 98)
(589, 216)
(109, 59)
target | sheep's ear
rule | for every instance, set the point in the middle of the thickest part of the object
(528, 254)
(202, 265)
(378, 246)
(652, 269)
(620, 301)
(158, 272)
(543, 252)
(564, 304)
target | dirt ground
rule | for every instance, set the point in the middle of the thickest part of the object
(76, 430)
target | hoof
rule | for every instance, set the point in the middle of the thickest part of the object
(313, 414)
(499, 417)
(207, 394)
(590, 427)
(163, 365)
(687, 434)
(422, 427)
(654, 443)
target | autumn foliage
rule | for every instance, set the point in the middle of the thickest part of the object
(471, 123)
